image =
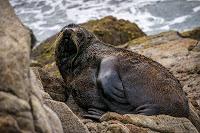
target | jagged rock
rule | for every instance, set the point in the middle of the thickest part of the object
(194, 33)
(21, 107)
(113, 31)
(129, 123)
(141, 123)
(71, 123)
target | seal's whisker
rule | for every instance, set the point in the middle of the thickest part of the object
(58, 38)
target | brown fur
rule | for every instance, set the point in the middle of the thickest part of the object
(143, 79)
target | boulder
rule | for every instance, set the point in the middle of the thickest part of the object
(21, 105)
(71, 123)
(193, 34)
(113, 31)
(130, 123)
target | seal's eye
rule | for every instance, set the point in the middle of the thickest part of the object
(80, 35)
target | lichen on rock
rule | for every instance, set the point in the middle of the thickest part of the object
(113, 31)
(193, 34)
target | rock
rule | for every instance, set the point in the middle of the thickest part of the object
(35, 63)
(54, 86)
(193, 34)
(71, 123)
(33, 37)
(113, 31)
(129, 123)
(21, 105)
(148, 41)
(43, 116)
(9, 125)
(108, 29)
(141, 123)
(194, 117)
(117, 128)
(162, 123)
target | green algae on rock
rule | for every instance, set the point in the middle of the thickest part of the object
(113, 31)
(194, 33)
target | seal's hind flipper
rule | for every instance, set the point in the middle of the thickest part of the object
(94, 114)
(148, 109)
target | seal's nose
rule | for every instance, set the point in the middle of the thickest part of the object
(68, 32)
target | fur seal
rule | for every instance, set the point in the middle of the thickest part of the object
(104, 78)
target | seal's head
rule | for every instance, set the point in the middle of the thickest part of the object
(70, 42)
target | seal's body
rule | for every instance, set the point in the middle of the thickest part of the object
(104, 78)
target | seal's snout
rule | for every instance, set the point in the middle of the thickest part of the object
(68, 32)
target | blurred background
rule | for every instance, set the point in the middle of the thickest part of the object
(46, 17)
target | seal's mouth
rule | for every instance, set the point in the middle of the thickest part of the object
(71, 44)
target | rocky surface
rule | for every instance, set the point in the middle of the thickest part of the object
(113, 31)
(21, 106)
(24, 104)
(70, 122)
(194, 34)
(130, 123)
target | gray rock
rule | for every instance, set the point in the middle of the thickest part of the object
(70, 122)
(142, 123)
(21, 104)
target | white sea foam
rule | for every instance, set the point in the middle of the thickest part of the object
(179, 20)
(46, 17)
(196, 9)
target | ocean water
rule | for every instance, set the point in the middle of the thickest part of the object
(46, 17)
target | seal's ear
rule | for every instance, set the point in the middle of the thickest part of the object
(72, 25)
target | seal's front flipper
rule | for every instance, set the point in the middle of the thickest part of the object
(109, 80)
(148, 109)
(94, 114)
